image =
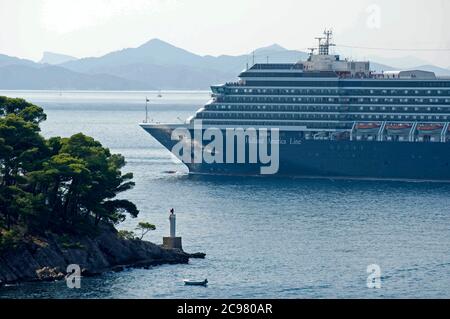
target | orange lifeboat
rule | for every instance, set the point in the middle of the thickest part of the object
(430, 128)
(368, 128)
(398, 128)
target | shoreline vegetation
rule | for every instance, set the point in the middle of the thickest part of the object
(58, 204)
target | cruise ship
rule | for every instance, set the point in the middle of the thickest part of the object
(334, 118)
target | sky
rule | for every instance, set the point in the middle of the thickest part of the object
(84, 28)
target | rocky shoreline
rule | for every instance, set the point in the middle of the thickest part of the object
(46, 259)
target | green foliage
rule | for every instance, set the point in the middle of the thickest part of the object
(144, 228)
(67, 243)
(27, 111)
(126, 234)
(10, 238)
(57, 184)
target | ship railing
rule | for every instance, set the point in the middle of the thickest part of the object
(381, 131)
(412, 132)
(235, 84)
(352, 131)
(444, 132)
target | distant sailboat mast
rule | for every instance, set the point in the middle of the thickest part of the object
(146, 109)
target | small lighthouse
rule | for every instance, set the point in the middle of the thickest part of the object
(172, 242)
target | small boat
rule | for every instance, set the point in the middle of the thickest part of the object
(368, 126)
(189, 282)
(398, 128)
(430, 128)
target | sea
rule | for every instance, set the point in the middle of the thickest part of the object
(263, 237)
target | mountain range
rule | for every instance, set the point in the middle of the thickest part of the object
(55, 58)
(154, 65)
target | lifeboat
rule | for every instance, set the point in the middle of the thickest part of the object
(430, 128)
(398, 128)
(368, 127)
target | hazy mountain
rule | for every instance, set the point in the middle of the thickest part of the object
(378, 67)
(154, 65)
(154, 52)
(157, 52)
(271, 48)
(55, 58)
(432, 68)
(170, 77)
(427, 67)
(57, 78)
(399, 63)
(9, 60)
(163, 65)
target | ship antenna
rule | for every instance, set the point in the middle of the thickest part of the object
(320, 44)
(328, 36)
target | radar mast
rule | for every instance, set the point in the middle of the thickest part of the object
(324, 48)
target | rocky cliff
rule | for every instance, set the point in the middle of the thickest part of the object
(47, 258)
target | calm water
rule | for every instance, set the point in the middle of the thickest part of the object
(264, 238)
